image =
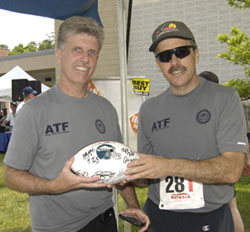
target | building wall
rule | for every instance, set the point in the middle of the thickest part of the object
(39, 65)
(3, 52)
(109, 61)
(205, 18)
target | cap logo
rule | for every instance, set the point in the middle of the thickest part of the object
(165, 28)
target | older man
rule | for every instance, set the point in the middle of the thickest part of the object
(52, 128)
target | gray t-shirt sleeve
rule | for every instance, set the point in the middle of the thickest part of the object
(231, 135)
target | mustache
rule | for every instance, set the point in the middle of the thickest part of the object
(176, 68)
(87, 65)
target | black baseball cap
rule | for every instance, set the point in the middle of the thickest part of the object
(171, 29)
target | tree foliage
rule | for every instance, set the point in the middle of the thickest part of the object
(20, 48)
(241, 85)
(238, 48)
(48, 43)
(238, 52)
(4, 46)
(241, 4)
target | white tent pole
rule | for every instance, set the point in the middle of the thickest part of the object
(123, 69)
(123, 78)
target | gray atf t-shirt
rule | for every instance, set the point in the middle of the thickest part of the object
(200, 125)
(49, 130)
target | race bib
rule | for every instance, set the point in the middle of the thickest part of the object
(180, 193)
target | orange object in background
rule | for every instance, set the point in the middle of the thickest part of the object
(133, 119)
(92, 88)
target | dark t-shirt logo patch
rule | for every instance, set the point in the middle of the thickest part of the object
(100, 126)
(203, 116)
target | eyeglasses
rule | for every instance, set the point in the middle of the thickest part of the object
(180, 52)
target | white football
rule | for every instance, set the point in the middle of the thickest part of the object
(107, 159)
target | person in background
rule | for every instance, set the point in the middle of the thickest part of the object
(246, 107)
(189, 152)
(4, 113)
(52, 128)
(10, 119)
(210, 76)
(238, 223)
(28, 94)
(1, 116)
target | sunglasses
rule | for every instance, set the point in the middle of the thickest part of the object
(180, 52)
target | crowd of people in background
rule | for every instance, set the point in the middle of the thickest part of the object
(10, 117)
(7, 117)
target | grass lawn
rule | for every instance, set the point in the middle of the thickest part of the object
(14, 206)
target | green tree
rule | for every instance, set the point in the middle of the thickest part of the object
(30, 47)
(33, 46)
(241, 85)
(4, 46)
(238, 48)
(17, 49)
(238, 52)
(48, 43)
(241, 4)
(20, 49)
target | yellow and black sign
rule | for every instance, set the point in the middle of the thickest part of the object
(141, 86)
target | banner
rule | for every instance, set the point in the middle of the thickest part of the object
(141, 86)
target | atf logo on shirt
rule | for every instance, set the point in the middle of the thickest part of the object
(160, 124)
(57, 128)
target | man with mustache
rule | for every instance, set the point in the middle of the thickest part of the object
(52, 127)
(191, 139)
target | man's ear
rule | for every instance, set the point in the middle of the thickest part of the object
(58, 55)
(197, 55)
(158, 64)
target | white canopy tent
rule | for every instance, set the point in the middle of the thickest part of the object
(6, 82)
